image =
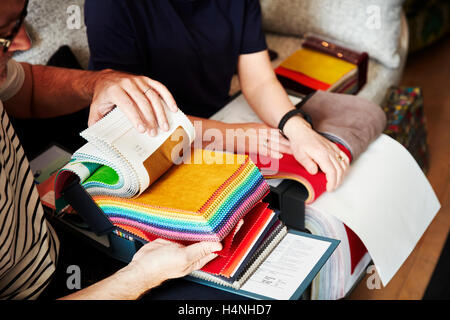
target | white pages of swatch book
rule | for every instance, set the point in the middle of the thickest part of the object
(113, 141)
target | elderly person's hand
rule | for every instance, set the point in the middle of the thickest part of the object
(161, 260)
(140, 98)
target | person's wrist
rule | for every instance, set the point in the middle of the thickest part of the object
(214, 134)
(295, 125)
(97, 79)
(138, 279)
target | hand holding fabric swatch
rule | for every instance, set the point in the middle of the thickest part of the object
(290, 168)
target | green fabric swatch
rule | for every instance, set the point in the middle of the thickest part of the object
(104, 174)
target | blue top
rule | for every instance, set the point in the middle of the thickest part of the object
(191, 46)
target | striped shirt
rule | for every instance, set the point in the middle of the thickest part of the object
(28, 244)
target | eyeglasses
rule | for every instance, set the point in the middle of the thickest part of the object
(7, 41)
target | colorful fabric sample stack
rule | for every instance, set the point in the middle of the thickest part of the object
(406, 121)
(322, 65)
(190, 202)
(196, 201)
(158, 186)
(346, 265)
(259, 233)
(206, 196)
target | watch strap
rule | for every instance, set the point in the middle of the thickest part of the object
(295, 112)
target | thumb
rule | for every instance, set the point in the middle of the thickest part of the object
(198, 264)
(98, 111)
(93, 117)
(197, 251)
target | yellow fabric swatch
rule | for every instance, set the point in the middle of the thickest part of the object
(188, 187)
(318, 66)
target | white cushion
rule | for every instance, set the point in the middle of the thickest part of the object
(50, 24)
(373, 26)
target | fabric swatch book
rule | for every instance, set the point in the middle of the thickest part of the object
(140, 185)
(145, 188)
(323, 65)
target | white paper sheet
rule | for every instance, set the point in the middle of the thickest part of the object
(288, 265)
(387, 201)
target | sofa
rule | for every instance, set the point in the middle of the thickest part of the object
(51, 25)
(48, 37)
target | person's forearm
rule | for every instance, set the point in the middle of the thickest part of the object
(156, 262)
(58, 91)
(51, 92)
(270, 101)
(208, 131)
(213, 134)
(123, 285)
(263, 91)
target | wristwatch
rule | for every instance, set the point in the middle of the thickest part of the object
(295, 112)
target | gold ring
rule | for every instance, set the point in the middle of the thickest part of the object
(339, 158)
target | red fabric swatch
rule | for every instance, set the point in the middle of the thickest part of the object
(254, 222)
(290, 168)
(302, 78)
(357, 248)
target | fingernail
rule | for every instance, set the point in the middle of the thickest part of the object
(153, 132)
(166, 127)
(141, 128)
(216, 247)
(174, 108)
